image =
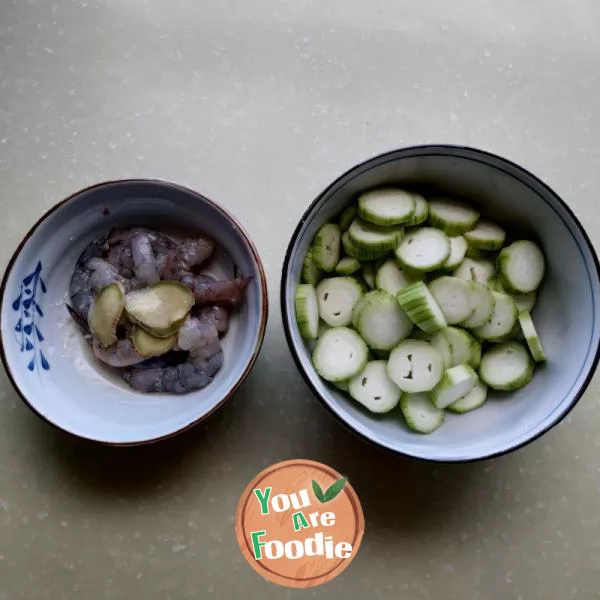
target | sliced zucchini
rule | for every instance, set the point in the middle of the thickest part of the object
(421, 415)
(370, 241)
(147, 345)
(160, 309)
(374, 389)
(339, 354)
(495, 285)
(419, 304)
(392, 279)
(474, 399)
(502, 321)
(455, 383)
(486, 236)
(475, 269)
(415, 366)
(458, 249)
(506, 366)
(441, 343)
(531, 337)
(347, 266)
(424, 249)
(484, 302)
(346, 217)
(521, 266)
(310, 273)
(452, 217)
(524, 301)
(461, 344)
(106, 312)
(307, 311)
(347, 245)
(475, 358)
(336, 299)
(323, 327)
(326, 247)
(380, 320)
(386, 206)
(454, 297)
(421, 212)
(368, 274)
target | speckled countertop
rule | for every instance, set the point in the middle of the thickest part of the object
(261, 104)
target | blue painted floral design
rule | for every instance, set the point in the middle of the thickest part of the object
(27, 329)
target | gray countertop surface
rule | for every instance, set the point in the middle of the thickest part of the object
(260, 105)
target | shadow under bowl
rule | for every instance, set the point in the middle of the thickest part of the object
(566, 313)
(44, 354)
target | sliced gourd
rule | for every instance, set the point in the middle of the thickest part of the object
(310, 272)
(373, 388)
(486, 236)
(307, 311)
(386, 206)
(340, 353)
(522, 266)
(147, 345)
(392, 279)
(326, 247)
(475, 269)
(106, 312)
(161, 308)
(421, 211)
(346, 217)
(347, 266)
(424, 249)
(451, 216)
(370, 241)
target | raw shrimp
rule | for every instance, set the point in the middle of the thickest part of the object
(216, 315)
(120, 256)
(144, 263)
(121, 354)
(228, 292)
(136, 258)
(91, 273)
(205, 358)
(103, 274)
(192, 252)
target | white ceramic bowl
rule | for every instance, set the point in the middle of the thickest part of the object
(44, 354)
(566, 315)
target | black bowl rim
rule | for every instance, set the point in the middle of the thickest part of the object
(264, 311)
(448, 150)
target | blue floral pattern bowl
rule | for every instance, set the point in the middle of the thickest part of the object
(43, 352)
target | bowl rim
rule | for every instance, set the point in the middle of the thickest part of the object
(451, 150)
(263, 318)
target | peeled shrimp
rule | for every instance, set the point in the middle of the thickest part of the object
(121, 258)
(90, 275)
(144, 263)
(192, 252)
(205, 358)
(217, 315)
(121, 354)
(102, 274)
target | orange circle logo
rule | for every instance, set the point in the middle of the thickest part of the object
(299, 523)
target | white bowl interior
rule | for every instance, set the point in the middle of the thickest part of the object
(77, 394)
(565, 314)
